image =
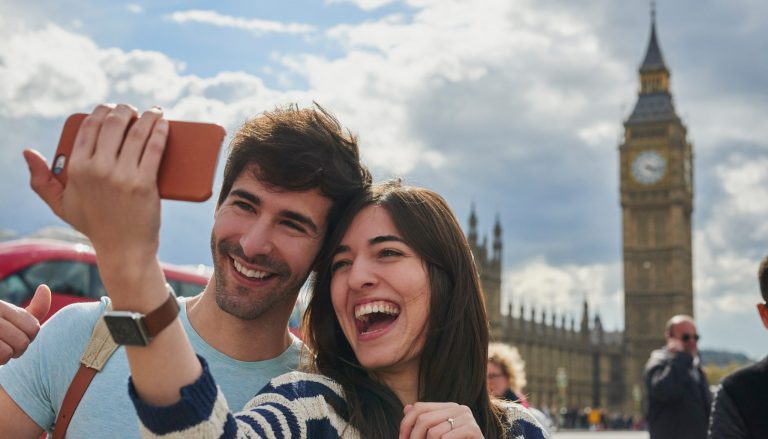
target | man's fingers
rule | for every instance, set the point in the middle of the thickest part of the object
(85, 140)
(14, 339)
(42, 181)
(18, 318)
(6, 353)
(136, 141)
(153, 152)
(41, 302)
(112, 134)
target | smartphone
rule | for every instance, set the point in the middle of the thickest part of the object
(188, 164)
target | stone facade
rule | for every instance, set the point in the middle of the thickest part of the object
(586, 358)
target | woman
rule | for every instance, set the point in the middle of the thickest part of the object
(506, 373)
(397, 325)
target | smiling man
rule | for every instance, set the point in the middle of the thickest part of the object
(289, 174)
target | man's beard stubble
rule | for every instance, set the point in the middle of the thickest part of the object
(241, 301)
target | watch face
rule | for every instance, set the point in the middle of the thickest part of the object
(648, 167)
(126, 328)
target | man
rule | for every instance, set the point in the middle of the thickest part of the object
(676, 387)
(738, 411)
(289, 174)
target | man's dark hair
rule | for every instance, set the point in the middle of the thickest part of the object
(297, 149)
(762, 276)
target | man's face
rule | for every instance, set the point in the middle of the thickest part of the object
(686, 332)
(263, 242)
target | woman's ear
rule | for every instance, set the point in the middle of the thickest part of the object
(762, 308)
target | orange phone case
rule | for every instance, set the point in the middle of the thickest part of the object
(188, 164)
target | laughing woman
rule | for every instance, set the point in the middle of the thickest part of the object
(398, 330)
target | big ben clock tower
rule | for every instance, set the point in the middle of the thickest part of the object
(656, 203)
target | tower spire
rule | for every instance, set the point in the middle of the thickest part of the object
(653, 61)
(654, 102)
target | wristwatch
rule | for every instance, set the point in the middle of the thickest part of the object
(136, 329)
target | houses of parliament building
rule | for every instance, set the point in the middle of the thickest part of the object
(580, 365)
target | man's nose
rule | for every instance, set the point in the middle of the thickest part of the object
(258, 239)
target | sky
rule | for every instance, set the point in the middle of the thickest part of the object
(513, 106)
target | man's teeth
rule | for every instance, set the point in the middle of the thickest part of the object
(363, 312)
(247, 272)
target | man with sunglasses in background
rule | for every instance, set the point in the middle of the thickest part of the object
(740, 403)
(677, 392)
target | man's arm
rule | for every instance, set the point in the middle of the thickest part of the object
(14, 422)
(112, 197)
(666, 379)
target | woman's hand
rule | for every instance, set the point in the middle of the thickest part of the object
(447, 420)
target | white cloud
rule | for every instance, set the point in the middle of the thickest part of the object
(727, 247)
(366, 5)
(565, 287)
(134, 8)
(254, 25)
(49, 72)
(53, 72)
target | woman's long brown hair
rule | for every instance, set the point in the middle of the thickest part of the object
(454, 358)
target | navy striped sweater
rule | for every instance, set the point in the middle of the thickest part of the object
(293, 405)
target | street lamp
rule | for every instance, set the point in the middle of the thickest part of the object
(561, 380)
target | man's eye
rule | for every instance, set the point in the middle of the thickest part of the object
(295, 226)
(242, 205)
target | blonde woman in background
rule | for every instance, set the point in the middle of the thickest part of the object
(506, 373)
(506, 380)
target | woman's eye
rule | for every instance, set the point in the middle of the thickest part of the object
(388, 252)
(338, 264)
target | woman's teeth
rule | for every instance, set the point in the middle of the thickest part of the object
(363, 312)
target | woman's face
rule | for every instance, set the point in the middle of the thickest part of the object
(380, 293)
(497, 381)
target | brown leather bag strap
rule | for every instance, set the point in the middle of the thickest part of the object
(75, 393)
(100, 348)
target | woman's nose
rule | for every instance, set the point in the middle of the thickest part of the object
(361, 275)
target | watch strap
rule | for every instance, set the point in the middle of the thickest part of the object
(164, 315)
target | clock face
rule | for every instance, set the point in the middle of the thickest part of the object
(648, 167)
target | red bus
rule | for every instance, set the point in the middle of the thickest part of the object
(69, 269)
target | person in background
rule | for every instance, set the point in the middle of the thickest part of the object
(506, 373)
(678, 397)
(506, 380)
(741, 401)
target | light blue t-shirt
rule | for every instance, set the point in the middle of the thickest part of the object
(38, 380)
